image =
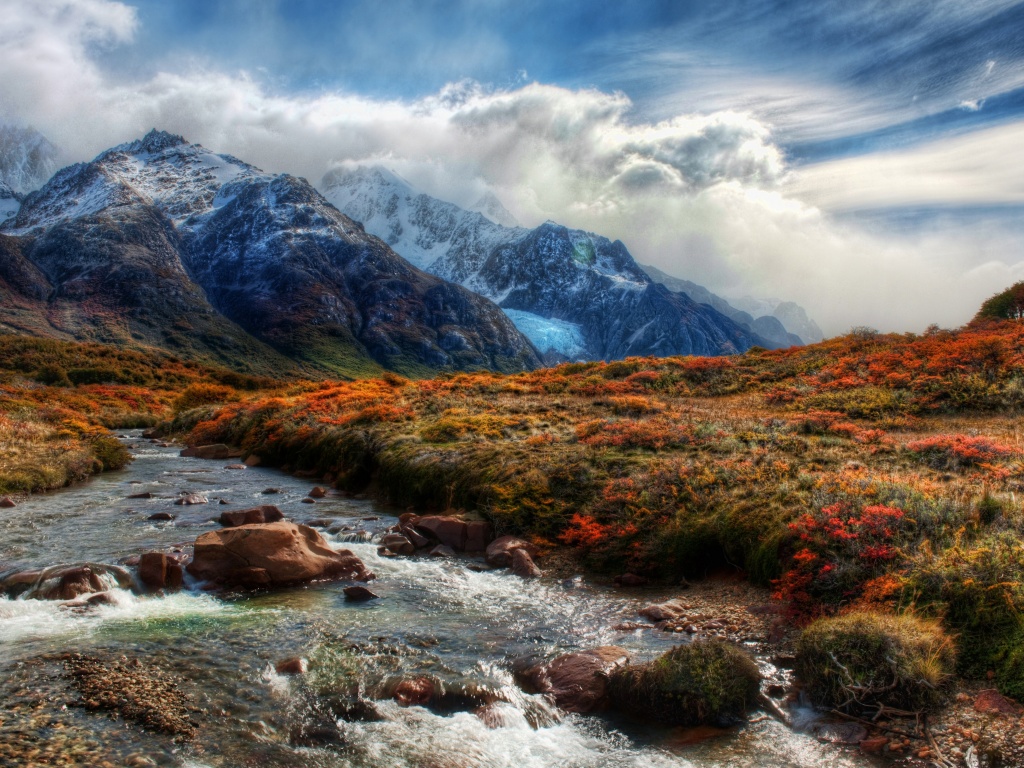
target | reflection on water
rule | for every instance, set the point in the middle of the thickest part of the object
(435, 618)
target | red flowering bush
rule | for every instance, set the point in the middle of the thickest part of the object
(952, 452)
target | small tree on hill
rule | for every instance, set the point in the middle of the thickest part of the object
(1008, 305)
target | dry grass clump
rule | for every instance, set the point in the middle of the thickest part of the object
(865, 659)
(705, 682)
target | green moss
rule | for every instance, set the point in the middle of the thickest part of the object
(863, 659)
(705, 682)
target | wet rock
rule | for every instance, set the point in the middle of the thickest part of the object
(271, 554)
(321, 522)
(7, 502)
(145, 495)
(94, 600)
(265, 513)
(318, 492)
(319, 731)
(292, 666)
(152, 433)
(75, 581)
(236, 466)
(444, 530)
(407, 519)
(359, 594)
(399, 544)
(270, 491)
(667, 611)
(523, 565)
(992, 702)
(417, 691)
(161, 516)
(631, 580)
(192, 498)
(478, 536)
(418, 540)
(442, 551)
(252, 460)
(223, 501)
(498, 715)
(577, 682)
(160, 571)
(214, 451)
(499, 552)
(308, 500)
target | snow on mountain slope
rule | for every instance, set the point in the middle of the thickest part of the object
(551, 274)
(27, 158)
(10, 202)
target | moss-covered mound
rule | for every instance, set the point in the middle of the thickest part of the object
(705, 682)
(863, 659)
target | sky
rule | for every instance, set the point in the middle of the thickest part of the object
(864, 158)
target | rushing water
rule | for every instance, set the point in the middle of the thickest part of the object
(437, 618)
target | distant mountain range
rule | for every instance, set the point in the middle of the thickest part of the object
(165, 243)
(575, 294)
(27, 160)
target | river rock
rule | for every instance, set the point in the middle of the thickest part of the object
(523, 565)
(308, 500)
(417, 691)
(192, 498)
(499, 552)
(577, 682)
(215, 451)
(7, 502)
(445, 530)
(666, 611)
(252, 460)
(317, 492)
(442, 550)
(397, 543)
(270, 491)
(418, 539)
(478, 536)
(161, 516)
(265, 513)
(143, 495)
(292, 666)
(358, 594)
(407, 519)
(271, 554)
(159, 571)
(235, 466)
(72, 582)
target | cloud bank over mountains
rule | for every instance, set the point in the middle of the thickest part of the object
(708, 196)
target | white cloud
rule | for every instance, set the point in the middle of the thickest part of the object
(703, 196)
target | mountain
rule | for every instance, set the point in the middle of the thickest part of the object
(27, 160)
(575, 294)
(163, 242)
(782, 322)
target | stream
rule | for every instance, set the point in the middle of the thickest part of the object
(446, 619)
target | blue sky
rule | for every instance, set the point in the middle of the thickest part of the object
(862, 157)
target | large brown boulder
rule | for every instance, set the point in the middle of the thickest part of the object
(271, 554)
(499, 552)
(215, 451)
(159, 571)
(577, 682)
(523, 565)
(478, 536)
(265, 513)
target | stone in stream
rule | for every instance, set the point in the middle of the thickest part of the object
(359, 594)
(442, 550)
(265, 513)
(523, 565)
(417, 691)
(75, 581)
(236, 466)
(499, 552)
(144, 495)
(397, 543)
(577, 682)
(271, 554)
(270, 491)
(159, 571)
(292, 666)
(664, 611)
(317, 492)
(308, 500)
(445, 530)
(418, 539)
(161, 516)
(252, 460)
(478, 536)
(192, 498)
(215, 451)
(7, 502)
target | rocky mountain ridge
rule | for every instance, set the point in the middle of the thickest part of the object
(163, 242)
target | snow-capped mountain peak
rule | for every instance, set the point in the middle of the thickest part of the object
(490, 206)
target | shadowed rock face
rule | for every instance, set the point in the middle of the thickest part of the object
(269, 555)
(165, 242)
(577, 682)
